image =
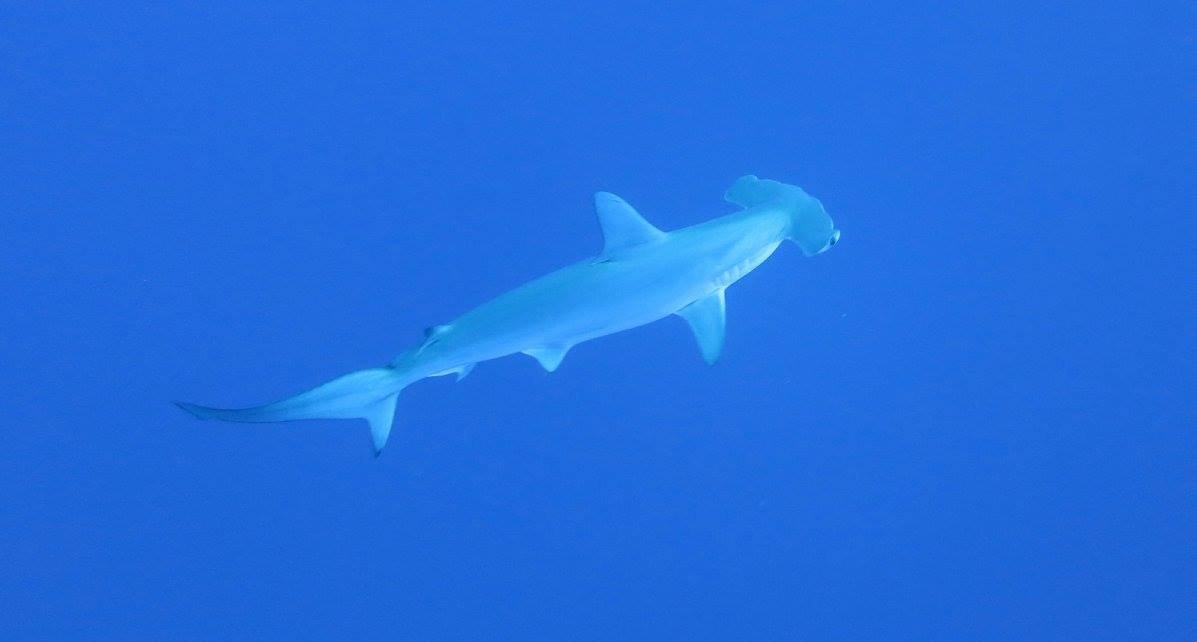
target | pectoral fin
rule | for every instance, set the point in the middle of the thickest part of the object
(549, 358)
(706, 317)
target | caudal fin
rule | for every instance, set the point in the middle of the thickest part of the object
(365, 394)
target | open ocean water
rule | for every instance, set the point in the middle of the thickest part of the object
(972, 419)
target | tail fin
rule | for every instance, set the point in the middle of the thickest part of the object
(366, 394)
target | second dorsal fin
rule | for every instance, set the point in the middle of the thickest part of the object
(431, 335)
(623, 227)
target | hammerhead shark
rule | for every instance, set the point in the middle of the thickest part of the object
(642, 274)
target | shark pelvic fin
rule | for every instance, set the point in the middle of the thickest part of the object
(549, 358)
(706, 317)
(622, 225)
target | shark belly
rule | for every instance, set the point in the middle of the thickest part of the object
(592, 299)
(581, 302)
(741, 268)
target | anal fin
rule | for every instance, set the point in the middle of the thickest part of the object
(461, 371)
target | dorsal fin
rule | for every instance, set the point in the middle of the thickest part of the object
(622, 225)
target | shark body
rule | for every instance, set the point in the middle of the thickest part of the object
(643, 274)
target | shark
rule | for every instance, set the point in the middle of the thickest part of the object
(642, 274)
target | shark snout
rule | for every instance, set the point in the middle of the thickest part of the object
(831, 240)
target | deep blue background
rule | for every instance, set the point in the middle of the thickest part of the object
(973, 418)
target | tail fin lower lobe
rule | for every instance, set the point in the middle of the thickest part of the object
(365, 394)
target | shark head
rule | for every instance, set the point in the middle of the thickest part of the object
(811, 228)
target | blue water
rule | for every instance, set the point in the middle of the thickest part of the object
(973, 418)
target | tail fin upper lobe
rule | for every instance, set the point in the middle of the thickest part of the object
(365, 394)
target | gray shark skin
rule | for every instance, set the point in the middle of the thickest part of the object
(642, 275)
